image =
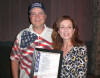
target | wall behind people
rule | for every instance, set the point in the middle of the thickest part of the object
(13, 15)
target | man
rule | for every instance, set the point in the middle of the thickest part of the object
(37, 35)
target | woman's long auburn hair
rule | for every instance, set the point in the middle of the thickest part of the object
(58, 41)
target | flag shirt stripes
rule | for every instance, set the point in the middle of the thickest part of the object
(24, 45)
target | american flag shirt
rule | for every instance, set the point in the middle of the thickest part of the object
(23, 49)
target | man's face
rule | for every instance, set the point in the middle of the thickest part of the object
(37, 17)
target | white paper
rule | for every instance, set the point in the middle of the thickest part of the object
(48, 65)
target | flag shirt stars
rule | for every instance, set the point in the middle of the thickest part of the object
(27, 38)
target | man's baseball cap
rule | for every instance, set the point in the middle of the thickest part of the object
(36, 5)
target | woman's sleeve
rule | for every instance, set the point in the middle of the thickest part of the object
(82, 60)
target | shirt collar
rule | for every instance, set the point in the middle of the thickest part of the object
(31, 30)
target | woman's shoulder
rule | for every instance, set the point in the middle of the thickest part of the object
(80, 51)
(81, 47)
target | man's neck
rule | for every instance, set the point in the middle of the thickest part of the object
(38, 30)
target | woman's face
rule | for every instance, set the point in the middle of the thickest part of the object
(66, 30)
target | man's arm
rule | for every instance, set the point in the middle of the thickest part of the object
(15, 68)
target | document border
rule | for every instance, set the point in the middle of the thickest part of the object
(53, 52)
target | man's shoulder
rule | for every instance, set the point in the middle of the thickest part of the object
(47, 34)
(21, 32)
(49, 29)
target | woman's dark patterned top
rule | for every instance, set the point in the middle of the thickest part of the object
(74, 64)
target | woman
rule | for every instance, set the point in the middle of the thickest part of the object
(66, 38)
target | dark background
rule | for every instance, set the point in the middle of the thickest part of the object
(13, 18)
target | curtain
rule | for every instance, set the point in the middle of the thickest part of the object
(14, 17)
